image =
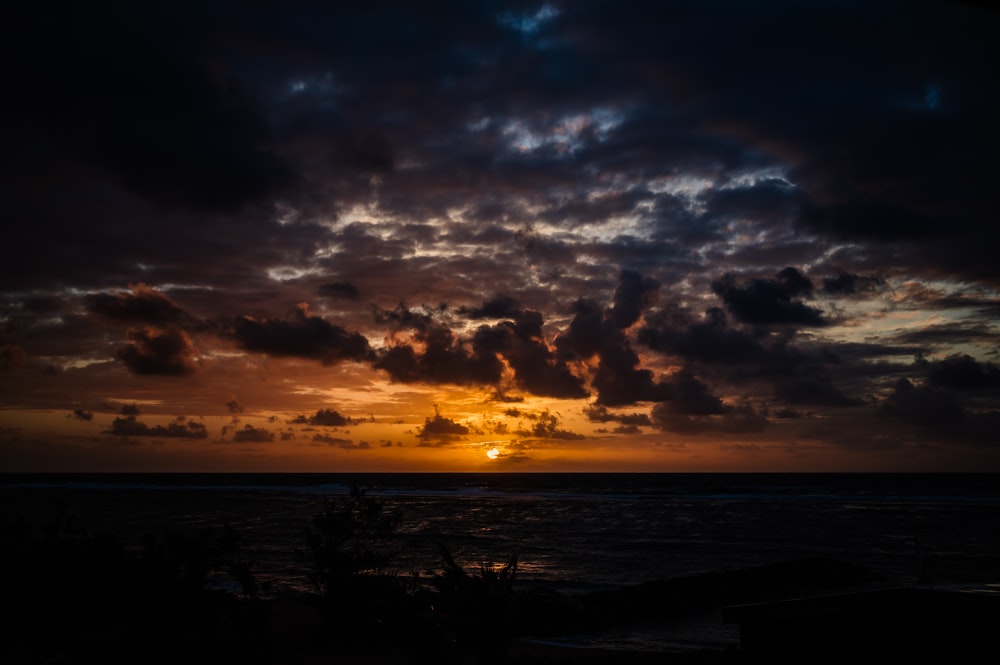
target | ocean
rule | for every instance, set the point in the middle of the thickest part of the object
(571, 532)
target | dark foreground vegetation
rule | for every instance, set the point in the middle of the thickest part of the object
(70, 596)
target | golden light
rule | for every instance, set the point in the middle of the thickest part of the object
(493, 453)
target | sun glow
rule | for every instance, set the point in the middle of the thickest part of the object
(493, 453)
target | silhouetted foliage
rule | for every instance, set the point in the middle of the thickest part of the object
(183, 563)
(474, 608)
(345, 541)
(360, 600)
(74, 596)
(59, 567)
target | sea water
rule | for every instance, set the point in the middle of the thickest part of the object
(571, 532)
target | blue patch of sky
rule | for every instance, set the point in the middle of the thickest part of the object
(529, 25)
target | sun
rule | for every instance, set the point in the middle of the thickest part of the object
(493, 453)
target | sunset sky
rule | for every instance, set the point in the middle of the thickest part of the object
(511, 236)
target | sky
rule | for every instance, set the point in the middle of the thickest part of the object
(576, 235)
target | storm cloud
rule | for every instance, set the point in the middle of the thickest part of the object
(651, 219)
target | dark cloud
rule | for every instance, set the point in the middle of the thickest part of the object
(772, 201)
(251, 434)
(500, 307)
(925, 406)
(709, 340)
(130, 410)
(234, 407)
(405, 318)
(302, 334)
(963, 372)
(572, 181)
(435, 354)
(338, 442)
(140, 304)
(537, 369)
(691, 396)
(545, 425)
(123, 93)
(738, 420)
(152, 350)
(324, 418)
(180, 428)
(816, 390)
(441, 357)
(600, 414)
(945, 334)
(618, 378)
(846, 284)
(692, 408)
(341, 290)
(770, 301)
(869, 219)
(363, 152)
(440, 430)
(12, 356)
(82, 414)
(633, 295)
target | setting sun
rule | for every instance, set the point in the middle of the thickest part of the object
(493, 453)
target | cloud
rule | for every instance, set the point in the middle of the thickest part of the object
(537, 368)
(633, 295)
(325, 418)
(302, 334)
(82, 414)
(140, 304)
(499, 307)
(564, 193)
(444, 359)
(689, 395)
(710, 340)
(363, 152)
(180, 428)
(600, 414)
(130, 410)
(963, 372)
(440, 430)
(343, 444)
(618, 378)
(770, 301)
(234, 407)
(12, 356)
(870, 219)
(545, 425)
(923, 405)
(251, 434)
(817, 390)
(163, 120)
(436, 354)
(732, 420)
(340, 290)
(846, 284)
(691, 408)
(945, 334)
(151, 350)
